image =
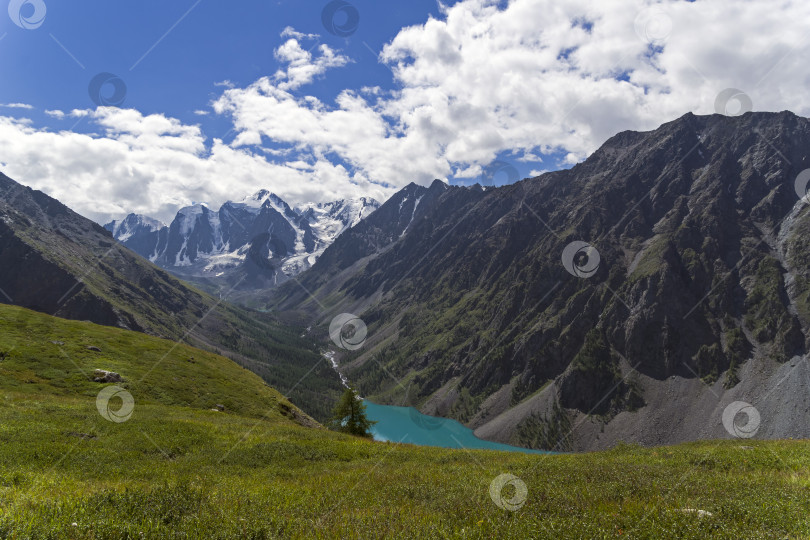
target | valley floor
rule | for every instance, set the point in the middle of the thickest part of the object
(212, 452)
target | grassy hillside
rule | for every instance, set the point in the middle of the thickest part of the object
(176, 469)
(48, 357)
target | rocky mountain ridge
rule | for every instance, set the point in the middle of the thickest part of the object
(670, 263)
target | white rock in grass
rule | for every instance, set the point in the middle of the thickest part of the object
(700, 513)
(104, 376)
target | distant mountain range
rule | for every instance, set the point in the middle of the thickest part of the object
(633, 297)
(257, 242)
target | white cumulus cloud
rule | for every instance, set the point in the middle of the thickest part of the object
(484, 80)
(154, 165)
(303, 66)
(535, 77)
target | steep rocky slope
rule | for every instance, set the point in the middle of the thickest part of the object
(632, 297)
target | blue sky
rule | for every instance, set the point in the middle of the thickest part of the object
(417, 90)
(212, 41)
(215, 41)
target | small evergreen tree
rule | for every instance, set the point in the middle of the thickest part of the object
(350, 415)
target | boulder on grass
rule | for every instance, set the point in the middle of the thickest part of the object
(103, 376)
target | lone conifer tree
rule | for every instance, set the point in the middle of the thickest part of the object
(350, 415)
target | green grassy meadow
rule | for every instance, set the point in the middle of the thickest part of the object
(177, 469)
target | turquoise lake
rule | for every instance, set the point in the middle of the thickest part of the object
(407, 425)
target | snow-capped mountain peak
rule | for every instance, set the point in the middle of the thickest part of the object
(260, 231)
(264, 198)
(133, 224)
(256, 200)
(329, 220)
